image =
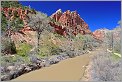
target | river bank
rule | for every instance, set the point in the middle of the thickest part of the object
(71, 69)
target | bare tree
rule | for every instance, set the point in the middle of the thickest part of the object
(39, 22)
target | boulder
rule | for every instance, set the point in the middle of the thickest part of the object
(5, 78)
(27, 69)
(57, 58)
(11, 68)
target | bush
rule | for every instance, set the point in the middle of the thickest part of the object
(23, 49)
(88, 41)
(104, 68)
(7, 46)
(6, 61)
(47, 46)
(78, 45)
(71, 48)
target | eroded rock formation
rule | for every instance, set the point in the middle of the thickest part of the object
(69, 20)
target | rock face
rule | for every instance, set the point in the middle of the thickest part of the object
(69, 21)
(99, 34)
(24, 35)
(62, 22)
(16, 12)
(13, 12)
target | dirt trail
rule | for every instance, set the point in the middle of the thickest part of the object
(71, 69)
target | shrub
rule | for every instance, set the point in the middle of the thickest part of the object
(7, 46)
(104, 68)
(78, 44)
(71, 48)
(47, 46)
(88, 41)
(59, 36)
(23, 49)
(7, 60)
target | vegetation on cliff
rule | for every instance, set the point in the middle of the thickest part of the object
(30, 40)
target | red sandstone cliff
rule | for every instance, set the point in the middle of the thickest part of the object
(70, 20)
(21, 13)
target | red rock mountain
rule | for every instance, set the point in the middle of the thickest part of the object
(63, 22)
(70, 20)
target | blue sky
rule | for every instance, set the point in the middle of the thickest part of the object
(97, 14)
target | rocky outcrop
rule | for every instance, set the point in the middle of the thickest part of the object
(56, 16)
(99, 34)
(24, 35)
(69, 20)
(10, 13)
